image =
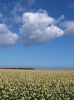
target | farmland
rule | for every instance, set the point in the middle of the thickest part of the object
(36, 85)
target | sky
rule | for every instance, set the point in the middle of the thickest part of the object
(37, 33)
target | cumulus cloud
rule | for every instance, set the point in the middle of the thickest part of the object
(35, 28)
(68, 27)
(6, 36)
(38, 27)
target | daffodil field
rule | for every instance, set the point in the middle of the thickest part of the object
(36, 85)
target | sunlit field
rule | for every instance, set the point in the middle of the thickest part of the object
(36, 85)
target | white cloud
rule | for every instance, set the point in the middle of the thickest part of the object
(15, 13)
(71, 5)
(59, 20)
(38, 27)
(1, 17)
(30, 2)
(68, 27)
(6, 36)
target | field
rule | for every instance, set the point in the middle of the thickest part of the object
(36, 85)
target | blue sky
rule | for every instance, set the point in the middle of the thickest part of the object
(37, 33)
